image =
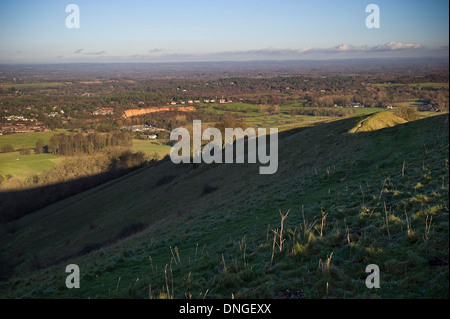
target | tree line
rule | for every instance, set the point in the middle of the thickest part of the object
(71, 144)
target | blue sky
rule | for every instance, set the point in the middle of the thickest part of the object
(196, 30)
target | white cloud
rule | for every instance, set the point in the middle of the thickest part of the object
(399, 46)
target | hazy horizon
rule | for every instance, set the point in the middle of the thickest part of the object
(203, 31)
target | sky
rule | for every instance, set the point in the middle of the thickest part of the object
(219, 30)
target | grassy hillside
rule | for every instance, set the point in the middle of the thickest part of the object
(377, 197)
(377, 121)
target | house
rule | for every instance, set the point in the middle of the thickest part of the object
(389, 107)
(104, 111)
(190, 102)
(152, 137)
(355, 105)
(173, 103)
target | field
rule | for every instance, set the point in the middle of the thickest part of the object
(149, 147)
(254, 118)
(23, 166)
(40, 85)
(27, 139)
(378, 197)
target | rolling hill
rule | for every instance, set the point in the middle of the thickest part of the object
(164, 231)
(377, 121)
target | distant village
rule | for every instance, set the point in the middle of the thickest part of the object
(20, 124)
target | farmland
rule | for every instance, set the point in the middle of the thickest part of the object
(23, 166)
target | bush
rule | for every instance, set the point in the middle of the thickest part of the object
(7, 148)
(408, 113)
(39, 147)
(25, 151)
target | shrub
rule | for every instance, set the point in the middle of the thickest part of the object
(408, 113)
(7, 148)
(25, 151)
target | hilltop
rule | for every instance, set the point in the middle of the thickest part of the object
(378, 197)
(377, 121)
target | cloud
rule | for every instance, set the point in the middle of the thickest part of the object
(341, 48)
(341, 51)
(96, 53)
(398, 46)
(78, 51)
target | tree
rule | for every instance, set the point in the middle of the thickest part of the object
(407, 113)
(7, 148)
(25, 151)
(39, 147)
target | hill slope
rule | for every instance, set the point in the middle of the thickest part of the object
(353, 199)
(377, 121)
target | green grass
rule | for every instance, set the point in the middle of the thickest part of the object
(27, 139)
(149, 147)
(23, 166)
(377, 188)
(377, 121)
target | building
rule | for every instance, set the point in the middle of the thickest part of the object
(104, 111)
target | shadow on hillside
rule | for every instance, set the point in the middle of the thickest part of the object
(17, 204)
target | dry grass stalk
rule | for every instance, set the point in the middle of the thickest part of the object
(324, 217)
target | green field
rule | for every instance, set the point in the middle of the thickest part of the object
(23, 166)
(283, 118)
(149, 147)
(27, 139)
